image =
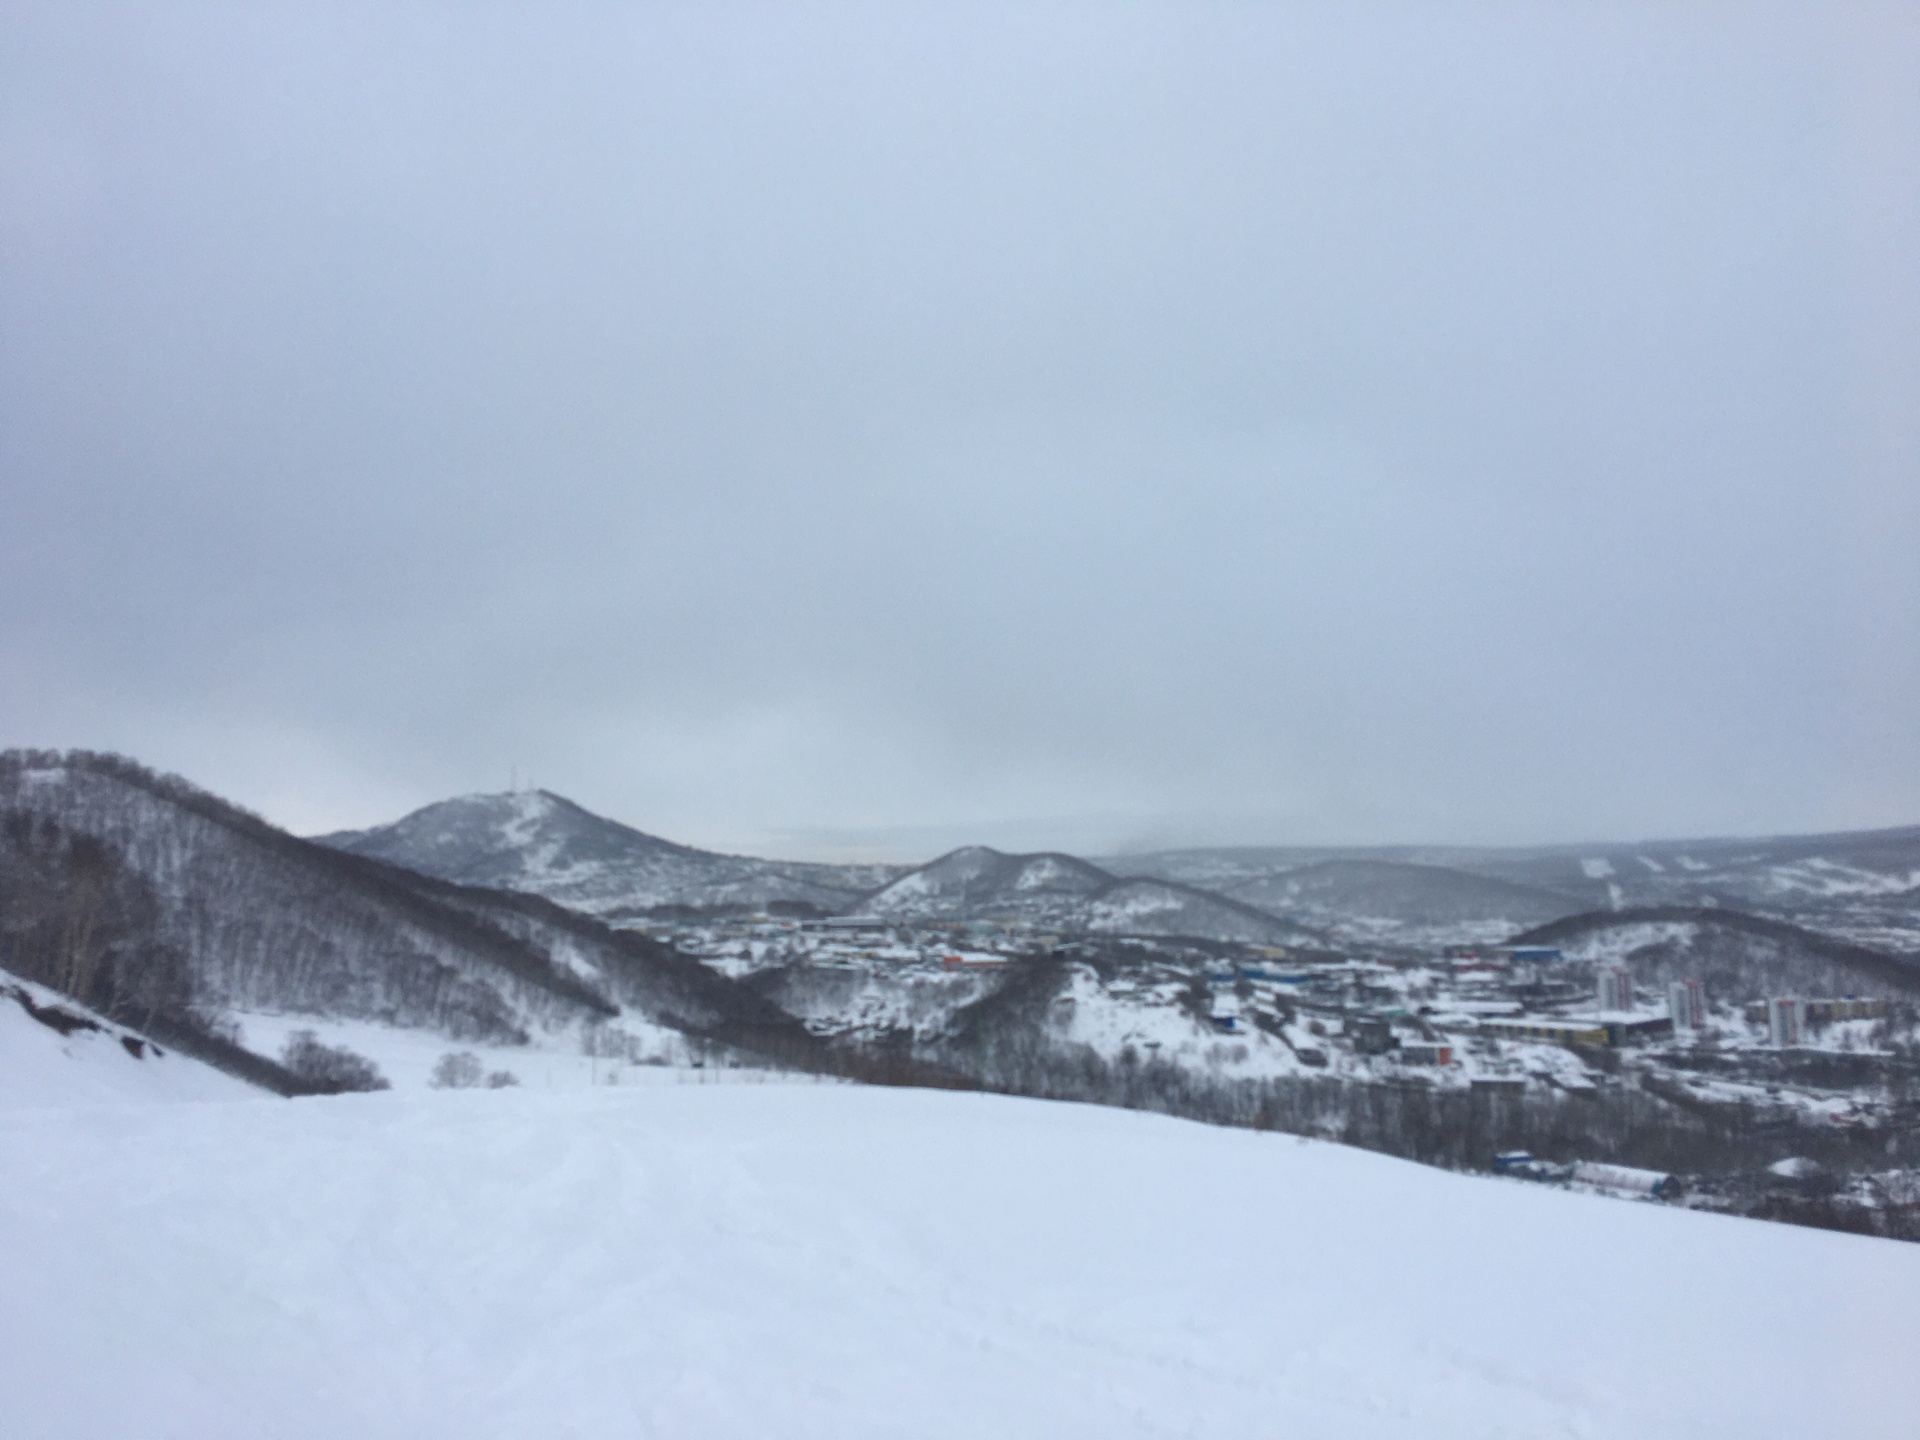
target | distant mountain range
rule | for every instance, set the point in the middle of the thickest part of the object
(543, 844)
(1861, 885)
(1864, 887)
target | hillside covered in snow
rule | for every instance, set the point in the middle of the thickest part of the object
(192, 928)
(1742, 957)
(537, 842)
(56, 1054)
(1862, 886)
(839, 1261)
(190, 920)
(978, 883)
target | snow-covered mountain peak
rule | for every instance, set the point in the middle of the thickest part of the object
(977, 880)
(538, 841)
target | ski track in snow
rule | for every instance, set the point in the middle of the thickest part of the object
(800, 1260)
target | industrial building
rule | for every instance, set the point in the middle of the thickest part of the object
(1626, 1179)
(1533, 954)
(1611, 1031)
(1619, 1179)
(1850, 1007)
(1823, 1012)
(1543, 1027)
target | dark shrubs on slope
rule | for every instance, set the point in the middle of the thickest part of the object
(457, 1070)
(330, 1069)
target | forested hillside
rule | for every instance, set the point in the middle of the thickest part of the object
(163, 906)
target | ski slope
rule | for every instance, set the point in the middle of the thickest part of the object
(798, 1260)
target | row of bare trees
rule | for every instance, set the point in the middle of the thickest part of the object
(75, 918)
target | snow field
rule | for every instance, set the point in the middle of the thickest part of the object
(554, 1060)
(836, 1261)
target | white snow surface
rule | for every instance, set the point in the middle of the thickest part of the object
(39, 1067)
(565, 1058)
(1617, 942)
(837, 1261)
(1826, 878)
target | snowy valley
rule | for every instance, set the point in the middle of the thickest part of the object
(1650, 1038)
(913, 1151)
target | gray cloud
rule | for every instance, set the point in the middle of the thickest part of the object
(817, 428)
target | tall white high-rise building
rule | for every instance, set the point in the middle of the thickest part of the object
(1786, 1019)
(1687, 1004)
(1615, 988)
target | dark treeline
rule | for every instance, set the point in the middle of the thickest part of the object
(75, 918)
(146, 897)
(1451, 1127)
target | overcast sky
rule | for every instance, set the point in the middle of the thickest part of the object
(833, 430)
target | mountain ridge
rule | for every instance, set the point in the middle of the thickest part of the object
(535, 841)
(1054, 889)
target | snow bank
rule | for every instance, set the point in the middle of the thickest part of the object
(797, 1260)
(40, 1067)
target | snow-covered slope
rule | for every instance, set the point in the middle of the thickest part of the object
(1404, 902)
(1739, 957)
(54, 1053)
(1396, 898)
(198, 912)
(541, 843)
(1791, 875)
(978, 882)
(1159, 907)
(1861, 885)
(833, 1261)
